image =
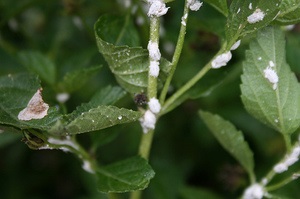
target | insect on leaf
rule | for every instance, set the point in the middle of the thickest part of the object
(270, 91)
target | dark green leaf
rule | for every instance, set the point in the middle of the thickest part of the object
(237, 24)
(39, 64)
(231, 139)
(16, 91)
(107, 96)
(289, 12)
(280, 107)
(76, 79)
(129, 64)
(220, 5)
(117, 30)
(94, 115)
(128, 175)
(86, 119)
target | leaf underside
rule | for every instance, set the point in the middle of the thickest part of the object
(237, 24)
(16, 91)
(231, 139)
(279, 108)
(128, 64)
(127, 175)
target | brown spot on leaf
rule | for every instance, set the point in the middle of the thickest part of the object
(36, 108)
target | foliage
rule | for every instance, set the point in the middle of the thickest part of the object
(215, 133)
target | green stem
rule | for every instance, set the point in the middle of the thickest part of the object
(185, 88)
(281, 184)
(287, 140)
(78, 150)
(144, 151)
(145, 144)
(154, 37)
(190, 83)
(136, 195)
(146, 141)
(176, 55)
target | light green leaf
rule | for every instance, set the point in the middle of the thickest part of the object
(117, 30)
(289, 12)
(128, 175)
(237, 24)
(39, 64)
(16, 91)
(86, 119)
(279, 108)
(74, 80)
(231, 139)
(197, 193)
(108, 96)
(94, 115)
(129, 64)
(220, 5)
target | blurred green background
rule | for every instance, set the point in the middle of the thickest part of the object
(188, 161)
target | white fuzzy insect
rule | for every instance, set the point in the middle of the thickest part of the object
(256, 16)
(154, 105)
(272, 76)
(62, 97)
(157, 8)
(36, 108)
(183, 19)
(289, 160)
(194, 5)
(154, 52)
(221, 60)
(235, 45)
(87, 166)
(154, 68)
(250, 6)
(255, 191)
(148, 121)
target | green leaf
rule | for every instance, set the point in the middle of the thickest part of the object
(16, 91)
(289, 12)
(220, 5)
(108, 96)
(74, 80)
(237, 24)
(85, 119)
(117, 30)
(94, 115)
(231, 139)
(39, 64)
(197, 193)
(128, 175)
(129, 64)
(279, 108)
